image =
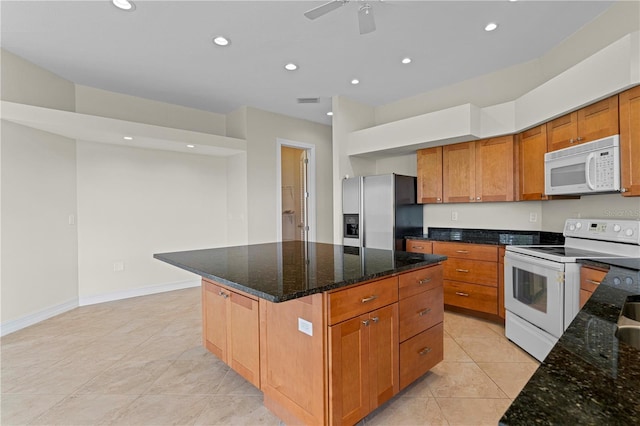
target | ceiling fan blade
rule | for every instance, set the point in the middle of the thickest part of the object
(365, 19)
(317, 12)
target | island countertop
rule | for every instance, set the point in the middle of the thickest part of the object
(288, 270)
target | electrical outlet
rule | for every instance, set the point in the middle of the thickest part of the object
(305, 326)
(118, 266)
(454, 215)
(533, 217)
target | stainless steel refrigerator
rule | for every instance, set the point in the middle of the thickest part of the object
(380, 211)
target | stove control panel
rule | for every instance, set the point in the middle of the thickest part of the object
(619, 231)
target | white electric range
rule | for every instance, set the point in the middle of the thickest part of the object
(542, 283)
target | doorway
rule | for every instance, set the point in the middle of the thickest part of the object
(296, 192)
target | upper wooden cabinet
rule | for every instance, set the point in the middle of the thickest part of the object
(478, 171)
(531, 147)
(630, 141)
(430, 175)
(593, 122)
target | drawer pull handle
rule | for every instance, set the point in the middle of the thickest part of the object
(424, 351)
(369, 299)
(462, 251)
(593, 282)
(418, 247)
(366, 323)
(459, 293)
(424, 312)
(424, 281)
(375, 319)
(223, 294)
(462, 270)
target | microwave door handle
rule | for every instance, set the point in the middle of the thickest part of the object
(590, 158)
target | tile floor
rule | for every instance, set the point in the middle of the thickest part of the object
(140, 362)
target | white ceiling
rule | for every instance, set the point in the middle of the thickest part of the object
(163, 49)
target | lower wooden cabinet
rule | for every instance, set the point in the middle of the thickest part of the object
(420, 354)
(363, 363)
(231, 329)
(471, 296)
(590, 278)
(419, 246)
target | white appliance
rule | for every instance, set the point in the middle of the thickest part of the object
(380, 211)
(591, 167)
(542, 283)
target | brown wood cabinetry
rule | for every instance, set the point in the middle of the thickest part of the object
(470, 276)
(501, 312)
(231, 329)
(630, 142)
(592, 122)
(419, 246)
(590, 278)
(478, 171)
(531, 146)
(430, 175)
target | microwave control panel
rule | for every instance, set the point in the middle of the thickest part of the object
(622, 230)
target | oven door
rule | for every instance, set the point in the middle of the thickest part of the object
(534, 290)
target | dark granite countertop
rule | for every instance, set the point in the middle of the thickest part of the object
(589, 377)
(492, 236)
(283, 271)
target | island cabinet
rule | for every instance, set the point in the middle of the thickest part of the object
(479, 171)
(332, 358)
(592, 122)
(230, 325)
(429, 175)
(470, 276)
(630, 142)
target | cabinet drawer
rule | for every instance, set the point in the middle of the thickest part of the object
(466, 251)
(354, 301)
(420, 354)
(420, 312)
(473, 271)
(421, 280)
(420, 246)
(590, 278)
(471, 296)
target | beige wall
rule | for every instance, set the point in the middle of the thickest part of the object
(39, 246)
(262, 130)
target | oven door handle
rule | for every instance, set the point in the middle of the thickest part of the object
(587, 175)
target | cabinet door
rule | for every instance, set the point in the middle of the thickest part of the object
(630, 141)
(598, 120)
(244, 340)
(214, 327)
(383, 355)
(562, 132)
(348, 370)
(430, 175)
(532, 145)
(494, 169)
(458, 172)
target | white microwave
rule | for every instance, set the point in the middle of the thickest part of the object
(591, 167)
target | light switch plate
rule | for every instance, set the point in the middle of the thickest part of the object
(305, 326)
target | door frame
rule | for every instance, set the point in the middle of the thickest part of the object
(311, 176)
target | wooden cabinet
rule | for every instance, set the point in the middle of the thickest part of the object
(478, 171)
(630, 142)
(419, 246)
(590, 278)
(421, 332)
(429, 175)
(531, 146)
(363, 356)
(501, 311)
(230, 329)
(592, 122)
(470, 276)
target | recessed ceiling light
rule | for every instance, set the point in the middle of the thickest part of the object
(330, 113)
(291, 66)
(491, 26)
(355, 81)
(127, 138)
(191, 146)
(221, 41)
(124, 5)
(406, 60)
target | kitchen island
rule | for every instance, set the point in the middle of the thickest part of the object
(327, 332)
(590, 376)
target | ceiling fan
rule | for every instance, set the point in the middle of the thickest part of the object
(366, 21)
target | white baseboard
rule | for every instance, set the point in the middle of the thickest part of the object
(27, 320)
(135, 292)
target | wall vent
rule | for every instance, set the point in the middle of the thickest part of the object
(308, 100)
